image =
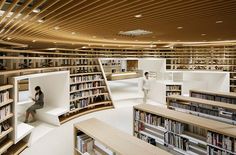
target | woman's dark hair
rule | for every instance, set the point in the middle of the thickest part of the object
(146, 73)
(38, 88)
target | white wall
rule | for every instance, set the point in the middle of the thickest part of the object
(55, 88)
(153, 65)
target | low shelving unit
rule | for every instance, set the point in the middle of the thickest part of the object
(191, 136)
(205, 108)
(90, 141)
(214, 95)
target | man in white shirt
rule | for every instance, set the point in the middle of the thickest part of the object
(145, 86)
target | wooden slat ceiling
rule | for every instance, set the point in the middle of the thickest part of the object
(99, 21)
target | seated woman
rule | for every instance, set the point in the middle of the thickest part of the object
(38, 105)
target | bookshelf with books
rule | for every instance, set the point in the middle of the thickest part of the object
(214, 95)
(6, 115)
(173, 90)
(89, 141)
(88, 89)
(205, 108)
(233, 82)
(195, 135)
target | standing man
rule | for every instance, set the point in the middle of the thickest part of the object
(145, 86)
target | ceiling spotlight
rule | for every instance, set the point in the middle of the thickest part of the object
(138, 16)
(73, 33)
(40, 20)
(180, 27)
(219, 21)
(36, 10)
(33, 41)
(8, 38)
(203, 34)
(83, 47)
(56, 28)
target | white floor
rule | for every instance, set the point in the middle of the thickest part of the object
(51, 140)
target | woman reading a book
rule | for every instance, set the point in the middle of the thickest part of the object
(39, 102)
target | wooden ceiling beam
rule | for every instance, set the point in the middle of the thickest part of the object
(23, 17)
(18, 11)
(10, 8)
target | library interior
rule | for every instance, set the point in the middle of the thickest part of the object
(117, 77)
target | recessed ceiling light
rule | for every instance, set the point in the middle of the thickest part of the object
(180, 27)
(203, 34)
(73, 33)
(40, 20)
(56, 28)
(54, 42)
(8, 38)
(83, 46)
(33, 41)
(138, 16)
(36, 10)
(219, 21)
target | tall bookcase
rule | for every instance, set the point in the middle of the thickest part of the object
(233, 82)
(195, 135)
(214, 96)
(88, 89)
(6, 115)
(210, 109)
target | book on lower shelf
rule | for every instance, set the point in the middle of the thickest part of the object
(4, 96)
(5, 111)
(84, 142)
(220, 143)
(87, 145)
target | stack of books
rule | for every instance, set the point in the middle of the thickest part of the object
(84, 143)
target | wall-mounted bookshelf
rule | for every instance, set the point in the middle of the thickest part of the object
(195, 135)
(206, 108)
(233, 82)
(173, 90)
(88, 89)
(90, 141)
(214, 96)
(6, 114)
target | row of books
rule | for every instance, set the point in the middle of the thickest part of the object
(173, 93)
(86, 69)
(82, 86)
(4, 126)
(84, 143)
(231, 100)
(206, 109)
(149, 118)
(203, 96)
(85, 78)
(222, 141)
(174, 126)
(86, 93)
(146, 138)
(88, 101)
(4, 96)
(176, 141)
(173, 87)
(86, 62)
(214, 151)
(5, 111)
